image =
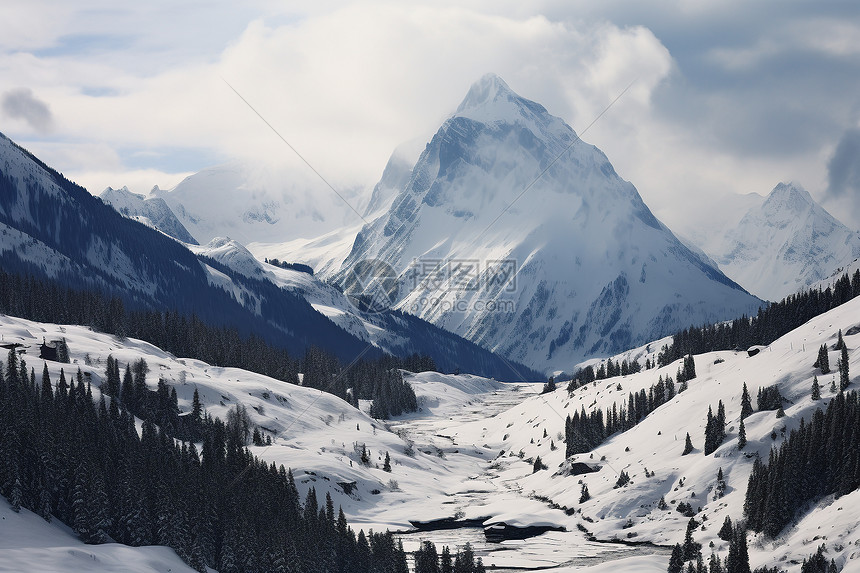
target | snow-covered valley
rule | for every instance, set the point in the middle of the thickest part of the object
(469, 452)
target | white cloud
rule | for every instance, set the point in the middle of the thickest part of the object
(346, 83)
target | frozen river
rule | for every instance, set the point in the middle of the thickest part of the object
(484, 485)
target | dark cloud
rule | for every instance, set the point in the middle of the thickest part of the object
(843, 170)
(20, 103)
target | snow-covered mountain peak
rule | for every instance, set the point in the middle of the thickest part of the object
(505, 182)
(492, 102)
(788, 198)
(490, 88)
(785, 244)
(122, 191)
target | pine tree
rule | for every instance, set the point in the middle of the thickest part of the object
(446, 565)
(386, 466)
(823, 361)
(843, 369)
(676, 561)
(688, 445)
(721, 484)
(714, 565)
(726, 531)
(127, 390)
(62, 351)
(738, 559)
(746, 403)
(742, 436)
(840, 343)
(426, 558)
(691, 547)
(15, 495)
(816, 388)
(584, 495)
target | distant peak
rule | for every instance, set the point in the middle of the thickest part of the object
(488, 89)
(124, 190)
(790, 194)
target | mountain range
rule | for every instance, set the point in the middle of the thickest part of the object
(510, 231)
(54, 229)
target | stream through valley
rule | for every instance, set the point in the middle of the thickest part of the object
(483, 486)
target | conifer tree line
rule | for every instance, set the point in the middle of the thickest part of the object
(585, 431)
(190, 337)
(770, 322)
(428, 560)
(65, 456)
(379, 380)
(609, 369)
(821, 457)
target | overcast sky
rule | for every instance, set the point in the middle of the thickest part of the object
(729, 97)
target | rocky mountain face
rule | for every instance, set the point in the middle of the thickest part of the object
(517, 235)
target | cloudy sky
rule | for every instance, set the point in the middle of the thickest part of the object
(729, 97)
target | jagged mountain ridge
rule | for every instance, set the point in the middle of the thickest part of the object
(52, 228)
(784, 244)
(152, 211)
(395, 332)
(55, 229)
(596, 272)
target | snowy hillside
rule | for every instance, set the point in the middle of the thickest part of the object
(29, 543)
(784, 244)
(655, 447)
(469, 452)
(578, 266)
(153, 212)
(394, 333)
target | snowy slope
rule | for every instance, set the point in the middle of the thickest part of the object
(152, 211)
(392, 332)
(657, 442)
(313, 432)
(468, 452)
(784, 244)
(29, 543)
(589, 268)
(256, 204)
(324, 254)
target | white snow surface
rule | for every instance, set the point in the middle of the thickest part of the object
(468, 452)
(593, 271)
(783, 244)
(323, 297)
(29, 543)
